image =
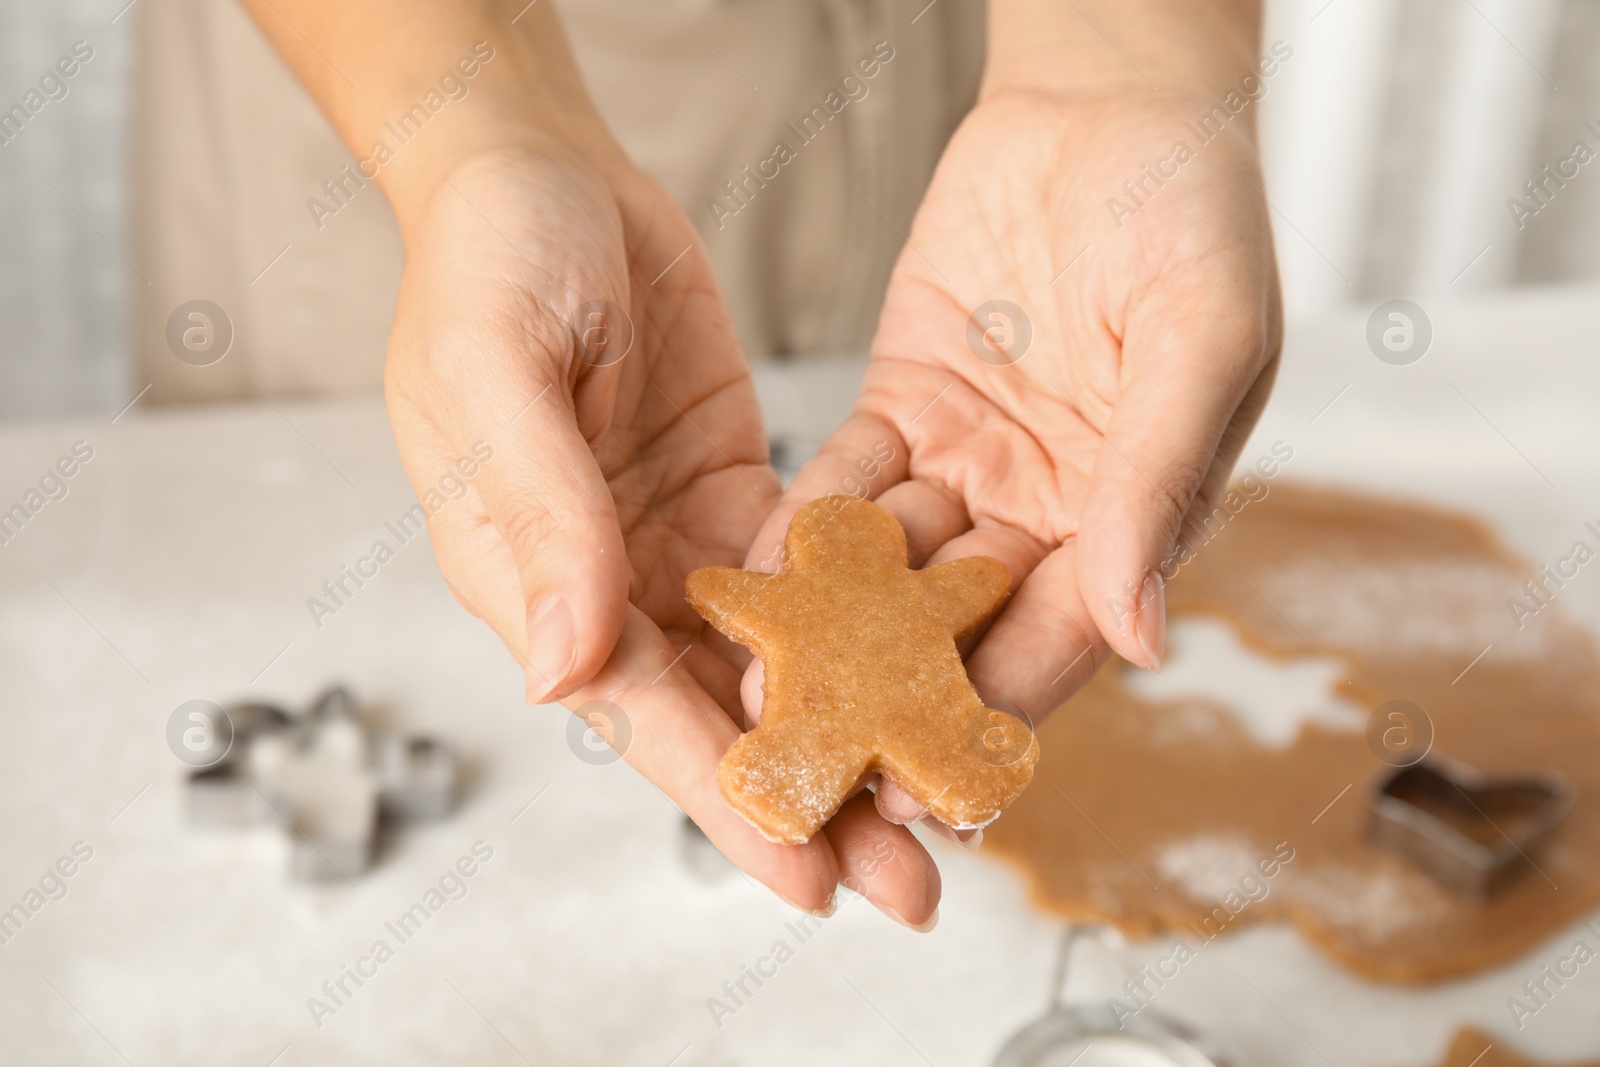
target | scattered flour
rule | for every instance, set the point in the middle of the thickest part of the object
(1208, 868)
(1372, 905)
(1451, 606)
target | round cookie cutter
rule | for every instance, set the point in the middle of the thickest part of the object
(1090, 1035)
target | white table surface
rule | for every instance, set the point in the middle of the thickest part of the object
(179, 565)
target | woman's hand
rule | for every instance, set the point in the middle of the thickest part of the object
(566, 314)
(1076, 454)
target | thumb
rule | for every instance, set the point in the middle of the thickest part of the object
(551, 506)
(1160, 453)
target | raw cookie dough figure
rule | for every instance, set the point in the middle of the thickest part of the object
(863, 674)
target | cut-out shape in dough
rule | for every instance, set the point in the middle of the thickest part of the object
(1271, 698)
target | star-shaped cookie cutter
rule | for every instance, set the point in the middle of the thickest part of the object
(327, 778)
(1471, 832)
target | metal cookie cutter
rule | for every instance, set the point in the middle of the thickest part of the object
(1470, 832)
(319, 782)
(1090, 1035)
(328, 779)
(224, 794)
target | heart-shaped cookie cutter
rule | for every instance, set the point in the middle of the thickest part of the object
(1432, 812)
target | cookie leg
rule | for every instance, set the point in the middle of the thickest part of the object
(788, 778)
(968, 777)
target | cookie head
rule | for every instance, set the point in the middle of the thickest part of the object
(845, 532)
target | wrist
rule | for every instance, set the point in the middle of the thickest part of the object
(413, 184)
(417, 88)
(1183, 49)
(515, 106)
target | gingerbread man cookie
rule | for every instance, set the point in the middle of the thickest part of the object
(862, 674)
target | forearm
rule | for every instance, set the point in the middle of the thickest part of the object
(369, 63)
(1197, 48)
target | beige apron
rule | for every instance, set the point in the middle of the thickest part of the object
(229, 150)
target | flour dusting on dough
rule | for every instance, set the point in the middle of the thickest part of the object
(1370, 905)
(1453, 605)
(1185, 724)
(1208, 868)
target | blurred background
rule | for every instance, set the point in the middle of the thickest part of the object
(1395, 139)
(156, 152)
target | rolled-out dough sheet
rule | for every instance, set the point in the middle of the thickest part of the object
(1167, 816)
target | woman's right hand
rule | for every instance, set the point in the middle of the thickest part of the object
(621, 461)
(611, 478)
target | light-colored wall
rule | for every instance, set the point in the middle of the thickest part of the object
(1400, 129)
(64, 284)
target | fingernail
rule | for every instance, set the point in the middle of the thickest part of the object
(967, 839)
(921, 928)
(552, 646)
(903, 820)
(822, 913)
(1151, 628)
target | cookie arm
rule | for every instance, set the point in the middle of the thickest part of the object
(964, 592)
(729, 599)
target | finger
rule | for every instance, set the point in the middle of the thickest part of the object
(501, 382)
(1233, 442)
(898, 806)
(676, 735)
(552, 506)
(931, 514)
(862, 458)
(967, 839)
(750, 692)
(719, 678)
(1187, 375)
(885, 863)
(1043, 647)
(476, 562)
(1020, 553)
